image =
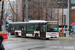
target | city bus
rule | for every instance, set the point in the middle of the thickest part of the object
(41, 29)
(52, 29)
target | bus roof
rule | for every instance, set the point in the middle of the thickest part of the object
(37, 21)
(25, 22)
(52, 21)
(32, 21)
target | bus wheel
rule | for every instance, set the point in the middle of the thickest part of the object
(16, 34)
(12, 33)
(47, 38)
(25, 36)
(36, 36)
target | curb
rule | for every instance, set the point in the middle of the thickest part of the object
(64, 38)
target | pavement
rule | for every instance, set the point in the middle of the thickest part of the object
(18, 43)
(64, 38)
(13, 38)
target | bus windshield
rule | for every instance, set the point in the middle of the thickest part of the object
(52, 28)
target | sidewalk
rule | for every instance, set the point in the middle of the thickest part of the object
(69, 37)
(64, 38)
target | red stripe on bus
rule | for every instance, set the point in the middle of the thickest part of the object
(34, 33)
(19, 32)
(54, 35)
(38, 33)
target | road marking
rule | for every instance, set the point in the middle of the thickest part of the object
(71, 38)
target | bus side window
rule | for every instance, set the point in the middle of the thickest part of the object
(24, 27)
(44, 28)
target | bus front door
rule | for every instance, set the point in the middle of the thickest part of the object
(24, 31)
(43, 31)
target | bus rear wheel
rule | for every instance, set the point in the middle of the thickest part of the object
(36, 36)
(16, 34)
(47, 38)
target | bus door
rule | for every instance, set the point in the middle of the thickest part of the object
(12, 29)
(24, 31)
(43, 30)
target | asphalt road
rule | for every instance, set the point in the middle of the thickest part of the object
(18, 43)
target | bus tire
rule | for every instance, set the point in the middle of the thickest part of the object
(12, 33)
(16, 34)
(25, 36)
(47, 38)
(36, 36)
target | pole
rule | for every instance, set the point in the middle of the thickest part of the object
(23, 13)
(38, 9)
(12, 12)
(46, 10)
(16, 12)
(62, 15)
(69, 2)
(51, 9)
(69, 13)
(68, 17)
(26, 10)
(5, 16)
(2, 15)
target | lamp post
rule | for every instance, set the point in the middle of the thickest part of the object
(69, 13)
(2, 15)
(26, 10)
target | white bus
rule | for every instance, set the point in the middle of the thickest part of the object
(52, 29)
(41, 29)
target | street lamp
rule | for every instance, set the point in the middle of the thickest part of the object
(2, 15)
(26, 10)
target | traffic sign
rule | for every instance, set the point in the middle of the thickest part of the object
(73, 23)
(73, 26)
